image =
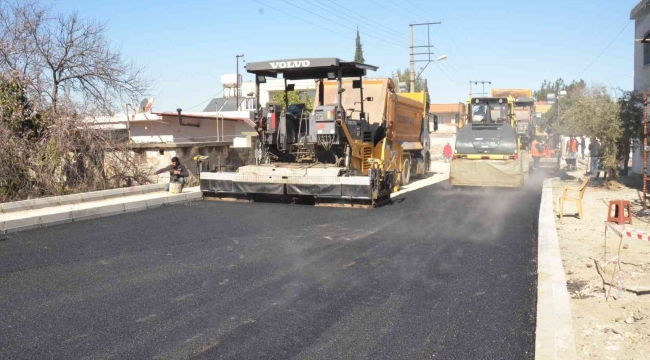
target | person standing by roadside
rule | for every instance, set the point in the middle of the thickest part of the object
(536, 151)
(447, 153)
(572, 150)
(583, 143)
(594, 153)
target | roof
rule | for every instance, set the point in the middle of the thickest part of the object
(223, 104)
(308, 68)
(205, 116)
(640, 10)
(444, 108)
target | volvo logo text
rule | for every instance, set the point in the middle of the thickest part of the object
(290, 64)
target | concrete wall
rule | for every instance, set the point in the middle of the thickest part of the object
(641, 73)
(637, 159)
(641, 81)
(169, 130)
(447, 117)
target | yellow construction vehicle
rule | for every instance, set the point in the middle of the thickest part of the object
(488, 146)
(358, 143)
(524, 114)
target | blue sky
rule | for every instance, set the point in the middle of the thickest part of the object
(187, 45)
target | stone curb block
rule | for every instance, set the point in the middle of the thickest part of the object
(85, 214)
(15, 206)
(70, 199)
(53, 219)
(110, 210)
(92, 196)
(134, 190)
(44, 202)
(108, 194)
(16, 225)
(152, 203)
(132, 206)
(21, 224)
(194, 196)
(554, 337)
(78, 198)
(176, 199)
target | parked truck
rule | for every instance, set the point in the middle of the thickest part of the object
(524, 110)
(358, 143)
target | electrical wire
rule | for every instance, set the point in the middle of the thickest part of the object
(339, 24)
(371, 27)
(303, 20)
(604, 50)
(371, 23)
(433, 46)
(417, 7)
(204, 101)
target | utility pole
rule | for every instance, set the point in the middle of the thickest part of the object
(476, 82)
(413, 53)
(412, 72)
(645, 151)
(237, 83)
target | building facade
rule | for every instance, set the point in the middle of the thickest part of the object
(641, 64)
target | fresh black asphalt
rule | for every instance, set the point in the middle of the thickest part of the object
(439, 274)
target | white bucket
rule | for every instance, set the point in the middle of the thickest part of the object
(175, 188)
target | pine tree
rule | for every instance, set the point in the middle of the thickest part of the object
(358, 53)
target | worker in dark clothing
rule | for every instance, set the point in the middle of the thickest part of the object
(583, 143)
(177, 172)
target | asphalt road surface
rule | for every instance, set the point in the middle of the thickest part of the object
(439, 274)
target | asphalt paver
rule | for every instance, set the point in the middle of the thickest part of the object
(442, 273)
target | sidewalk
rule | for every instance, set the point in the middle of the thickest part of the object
(74, 208)
(604, 329)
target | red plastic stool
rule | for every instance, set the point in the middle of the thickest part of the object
(618, 208)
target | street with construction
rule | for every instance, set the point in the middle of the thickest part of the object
(323, 206)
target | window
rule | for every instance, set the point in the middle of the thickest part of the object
(489, 112)
(646, 51)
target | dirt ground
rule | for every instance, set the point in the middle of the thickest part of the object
(617, 327)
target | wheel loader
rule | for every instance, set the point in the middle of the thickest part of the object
(360, 141)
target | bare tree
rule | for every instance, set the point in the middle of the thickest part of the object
(65, 55)
(55, 70)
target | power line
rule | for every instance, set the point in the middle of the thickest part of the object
(602, 52)
(206, 100)
(376, 24)
(392, 11)
(369, 23)
(432, 45)
(303, 20)
(338, 23)
(452, 39)
(416, 7)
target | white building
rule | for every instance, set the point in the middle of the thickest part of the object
(641, 63)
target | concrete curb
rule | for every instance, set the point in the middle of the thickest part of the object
(554, 334)
(79, 198)
(31, 222)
